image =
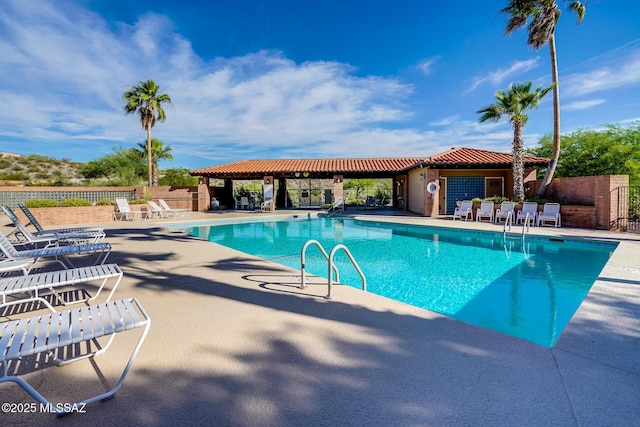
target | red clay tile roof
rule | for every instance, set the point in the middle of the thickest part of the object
(291, 166)
(456, 157)
(473, 157)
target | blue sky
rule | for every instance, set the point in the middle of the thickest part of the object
(299, 79)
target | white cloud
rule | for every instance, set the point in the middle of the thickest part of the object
(583, 105)
(497, 77)
(624, 74)
(426, 65)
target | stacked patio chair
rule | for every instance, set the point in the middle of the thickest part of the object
(60, 337)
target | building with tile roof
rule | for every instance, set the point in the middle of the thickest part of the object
(459, 173)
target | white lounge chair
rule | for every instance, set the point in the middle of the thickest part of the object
(14, 252)
(31, 284)
(464, 211)
(530, 208)
(62, 335)
(550, 214)
(502, 213)
(175, 212)
(125, 212)
(39, 230)
(485, 211)
(23, 235)
(156, 210)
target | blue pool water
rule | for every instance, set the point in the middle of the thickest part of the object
(528, 290)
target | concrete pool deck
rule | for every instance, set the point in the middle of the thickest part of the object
(235, 342)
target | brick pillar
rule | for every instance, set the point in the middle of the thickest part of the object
(338, 189)
(203, 200)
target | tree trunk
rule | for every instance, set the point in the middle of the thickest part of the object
(555, 154)
(154, 173)
(518, 164)
(149, 168)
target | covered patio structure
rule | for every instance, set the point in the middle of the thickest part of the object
(428, 186)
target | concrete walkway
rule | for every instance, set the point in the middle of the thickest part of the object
(234, 342)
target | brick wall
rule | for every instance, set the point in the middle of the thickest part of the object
(594, 190)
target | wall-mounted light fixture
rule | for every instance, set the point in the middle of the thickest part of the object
(422, 176)
(267, 181)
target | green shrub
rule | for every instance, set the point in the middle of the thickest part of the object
(137, 202)
(41, 203)
(75, 201)
(104, 202)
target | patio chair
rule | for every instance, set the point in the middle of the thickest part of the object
(464, 211)
(68, 336)
(550, 214)
(505, 211)
(23, 235)
(58, 253)
(266, 205)
(370, 203)
(244, 202)
(125, 213)
(176, 212)
(236, 203)
(40, 230)
(156, 210)
(485, 211)
(530, 208)
(31, 284)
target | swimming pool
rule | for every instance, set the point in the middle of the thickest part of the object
(529, 290)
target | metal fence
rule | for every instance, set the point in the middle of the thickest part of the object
(12, 198)
(628, 200)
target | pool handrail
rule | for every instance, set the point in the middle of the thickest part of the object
(303, 264)
(353, 261)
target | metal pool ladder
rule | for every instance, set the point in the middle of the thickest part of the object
(331, 266)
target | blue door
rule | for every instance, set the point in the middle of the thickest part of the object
(463, 188)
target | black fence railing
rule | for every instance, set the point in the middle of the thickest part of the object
(628, 200)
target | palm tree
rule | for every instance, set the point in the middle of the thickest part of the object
(146, 99)
(543, 16)
(514, 103)
(158, 152)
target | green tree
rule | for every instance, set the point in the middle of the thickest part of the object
(514, 103)
(612, 151)
(542, 17)
(158, 152)
(123, 167)
(147, 100)
(178, 177)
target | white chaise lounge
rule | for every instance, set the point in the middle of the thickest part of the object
(65, 337)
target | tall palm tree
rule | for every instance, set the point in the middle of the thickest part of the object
(542, 17)
(147, 100)
(514, 103)
(158, 152)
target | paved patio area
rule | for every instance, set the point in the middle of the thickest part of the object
(234, 342)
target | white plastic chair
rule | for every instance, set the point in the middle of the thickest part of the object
(125, 212)
(530, 208)
(485, 211)
(550, 214)
(502, 213)
(156, 210)
(244, 202)
(464, 211)
(169, 211)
